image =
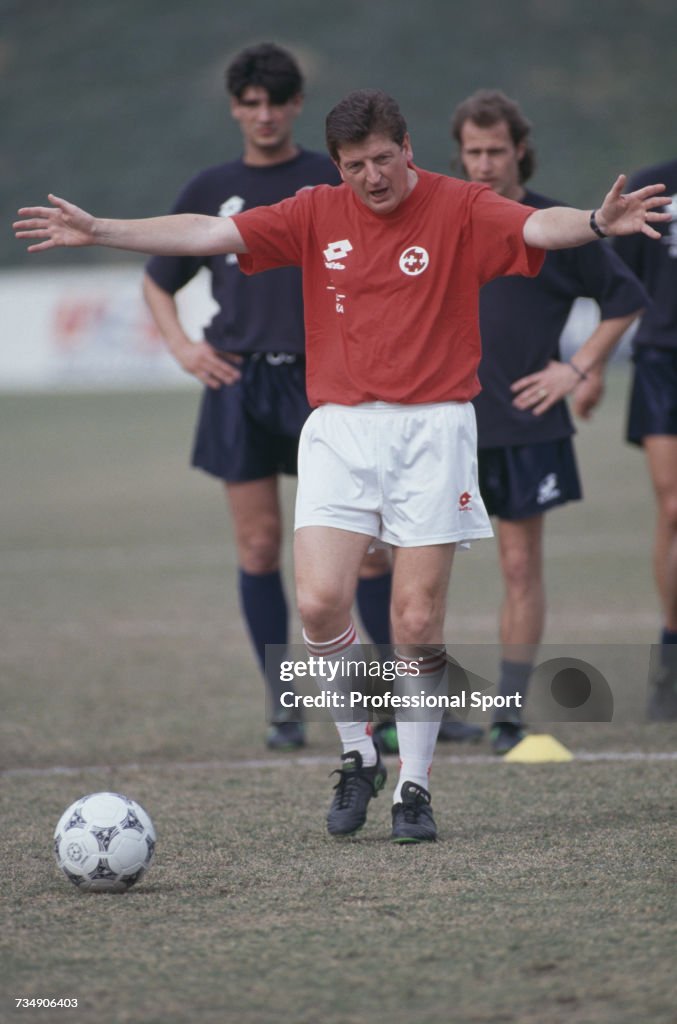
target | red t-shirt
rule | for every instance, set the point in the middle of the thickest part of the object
(391, 300)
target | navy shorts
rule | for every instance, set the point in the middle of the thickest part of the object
(250, 430)
(653, 397)
(526, 480)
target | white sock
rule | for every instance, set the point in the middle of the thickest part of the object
(417, 738)
(354, 734)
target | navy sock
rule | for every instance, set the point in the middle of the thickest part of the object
(264, 606)
(373, 604)
(668, 656)
(513, 679)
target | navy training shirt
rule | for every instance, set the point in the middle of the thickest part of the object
(262, 312)
(655, 262)
(521, 320)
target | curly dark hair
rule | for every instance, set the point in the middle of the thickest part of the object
(488, 107)
(268, 66)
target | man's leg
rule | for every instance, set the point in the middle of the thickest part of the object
(661, 451)
(257, 523)
(522, 620)
(374, 588)
(420, 582)
(327, 563)
(374, 591)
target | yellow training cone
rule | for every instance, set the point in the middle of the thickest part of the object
(535, 748)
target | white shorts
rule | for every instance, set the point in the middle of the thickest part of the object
(403, 474)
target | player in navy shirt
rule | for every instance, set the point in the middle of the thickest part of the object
(251, 360)
(652, 421)
(526, 457)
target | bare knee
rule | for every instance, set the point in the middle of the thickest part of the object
(324, 611)
(327, 563)
(417, 621)
(521, 556)
(259, 549)
(667, 503)
(255, 510)
(520, 574)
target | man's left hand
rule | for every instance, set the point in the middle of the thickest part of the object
(634, 212)
(540, 391)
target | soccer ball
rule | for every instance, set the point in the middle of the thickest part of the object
(104, 842)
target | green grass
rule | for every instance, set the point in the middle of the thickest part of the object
(546, 899)
(549, 898)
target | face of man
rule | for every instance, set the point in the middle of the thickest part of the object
(378, 171)
(490, 157)
(266, 127)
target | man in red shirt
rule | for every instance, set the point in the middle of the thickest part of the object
(393, 260)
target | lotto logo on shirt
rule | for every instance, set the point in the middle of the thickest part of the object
(414, 261)
(464, 502)
(228, 208)
(231, 206)
(335, 252)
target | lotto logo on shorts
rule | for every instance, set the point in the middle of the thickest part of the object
(464, 502)
(548, 489)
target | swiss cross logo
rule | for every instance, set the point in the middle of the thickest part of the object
(414, 261)
(464, 502)
(335, 252)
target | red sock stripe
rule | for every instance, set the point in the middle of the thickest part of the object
(432, 665)
(332, 647)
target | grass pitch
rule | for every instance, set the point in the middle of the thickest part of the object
(550, 895)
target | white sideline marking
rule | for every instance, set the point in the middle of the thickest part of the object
(310, 760)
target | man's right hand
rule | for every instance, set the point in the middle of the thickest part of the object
(62, 223)
(210, 367)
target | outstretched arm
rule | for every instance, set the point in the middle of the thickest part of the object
(183, 234)
(559, 227)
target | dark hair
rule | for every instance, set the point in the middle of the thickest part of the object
(488, 107)
(362, 113)
(268, 66)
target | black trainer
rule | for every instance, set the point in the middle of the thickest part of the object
(662, 706)
(506, 735)
(352, 793)
(286, 736)
(455, 730)
(413, 820)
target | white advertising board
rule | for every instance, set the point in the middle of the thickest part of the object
(89, 328)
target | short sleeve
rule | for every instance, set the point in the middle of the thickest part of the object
(273, 234)
(497, 226)
(600, 274)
